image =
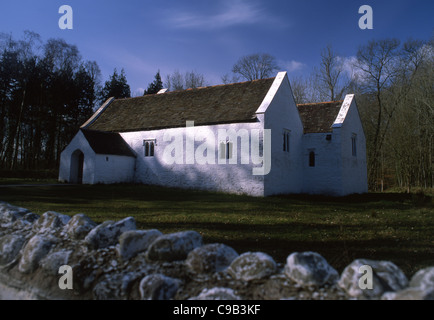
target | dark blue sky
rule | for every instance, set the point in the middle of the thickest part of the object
(209, 36)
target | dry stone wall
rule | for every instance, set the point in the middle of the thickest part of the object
(114, 260)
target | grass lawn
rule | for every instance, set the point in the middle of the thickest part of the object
(395, 227)
(22, 181)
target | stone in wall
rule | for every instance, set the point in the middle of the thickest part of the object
(175, 246)
(310, 269)
(387, 277)
(50, 222)
(210, 258)
(79, 226)
(36, 249)
(53, 261)
(421, 287)
(135, 241)
(252, 266)
(158, 287)
(10, 246)
(10, 214)
(108, 233)
(217, 294)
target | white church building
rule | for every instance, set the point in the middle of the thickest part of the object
(243, 138)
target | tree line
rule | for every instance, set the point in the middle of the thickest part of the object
(47, 90)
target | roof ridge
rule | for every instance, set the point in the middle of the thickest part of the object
(198, 88)
(324, 102)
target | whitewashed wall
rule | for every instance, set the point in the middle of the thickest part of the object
(326, 176)
(96, 168)
(232, 178)
(354, 169)
(281, 113)
(79, 142)
(114, 169)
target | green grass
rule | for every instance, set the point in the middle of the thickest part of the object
(24, 181)
(395, 227)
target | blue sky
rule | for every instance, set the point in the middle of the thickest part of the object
(209, 36)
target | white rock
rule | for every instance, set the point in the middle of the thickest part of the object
(108, 233)
(53, 261)
(10, 246)
(210, 258)
(310, 269)
(387, 277)
(158, 287)
(111, 287)
(251, 266)
(36, 249)
(79, 226)
(411, 293)
(50, 221)
(133, 242)
(9, 214)
(217, 294)
(174, 246)
(423, 279)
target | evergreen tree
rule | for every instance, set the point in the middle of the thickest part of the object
(155, 86)
(116, 87)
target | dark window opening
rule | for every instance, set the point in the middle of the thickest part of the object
(312, 159)
(149, 146)
(354, 145)
(286, 137)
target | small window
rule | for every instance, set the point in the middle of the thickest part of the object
(312, 159)
(149, 146)
(354, 145)
(286, 140)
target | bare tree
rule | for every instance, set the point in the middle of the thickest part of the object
(193, 80)
(411, 150)
(175, 81)
(255, 66)
(190, 80)
(300, 90)
(330, 77)
(228, 78)
(377, 62)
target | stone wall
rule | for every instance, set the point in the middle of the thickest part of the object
(114, 260)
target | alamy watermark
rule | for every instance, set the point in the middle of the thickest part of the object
(66, 20)
(367, 20)
(254, 148)
(366, 281)
(66, 280)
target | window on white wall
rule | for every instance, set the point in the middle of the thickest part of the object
(149, 146)
(354, 145)
(312, 159)
(286, 140)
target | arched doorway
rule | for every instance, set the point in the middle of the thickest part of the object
(77, 166)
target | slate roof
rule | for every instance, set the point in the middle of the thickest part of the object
(233, 103)
(107, 143)
(319, 117)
